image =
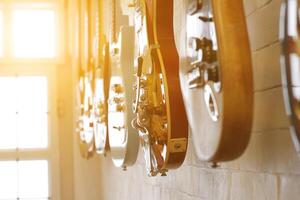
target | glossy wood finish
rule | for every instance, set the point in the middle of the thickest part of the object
(290, 38)
(225, 135)
(165, 63)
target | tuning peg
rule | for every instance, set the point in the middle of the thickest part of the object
(120, 108)
(206, 19)
(196, 43)
(211, 74)
(117, 88)
(118, 100)
(139, 63)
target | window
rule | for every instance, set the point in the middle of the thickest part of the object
(27, 155)
(24, 180)
(34, 33)
(30, 49)
(24, 108)
(29, 31)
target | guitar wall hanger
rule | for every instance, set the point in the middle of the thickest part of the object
(290, 64)
(217, 79)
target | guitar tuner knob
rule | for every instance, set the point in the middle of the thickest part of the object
(139, 63)
(116, 51)
(117, 88)
(119, 128)
(91, 124)
(100, 106)
(196, 43)
(118, 100)
(120, 108)
(211, 74)
(206, 19)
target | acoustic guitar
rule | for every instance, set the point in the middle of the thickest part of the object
(123, 139)
(158, 106)
(290, 62)
(217, 79)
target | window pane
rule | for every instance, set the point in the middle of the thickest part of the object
(8, 94)
(8, 131)
(32, 94)
(24, 180)
(24, 114)
(32, 130)
(8, 99)
(32, 112)
(8, 180)
(34, 33)
(33, 179)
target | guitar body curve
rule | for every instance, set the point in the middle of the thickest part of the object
(217, 82)
(290, 65)
(123, 139)
(101, 92)
(161, 118)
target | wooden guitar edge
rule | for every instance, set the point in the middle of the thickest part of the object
(163, 32)
(236, 78)
(288, 47)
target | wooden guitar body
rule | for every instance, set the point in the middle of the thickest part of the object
(93, 80)
(217, 80)
(160, 115)
(123, 139)
(84, 129)
(100, 106)
(290, 38)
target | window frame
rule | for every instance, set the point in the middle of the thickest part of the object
(8, 6)
(51, 153)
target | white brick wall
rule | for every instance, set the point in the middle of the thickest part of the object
(269, 169)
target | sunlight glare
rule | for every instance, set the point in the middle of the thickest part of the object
(34, 33)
